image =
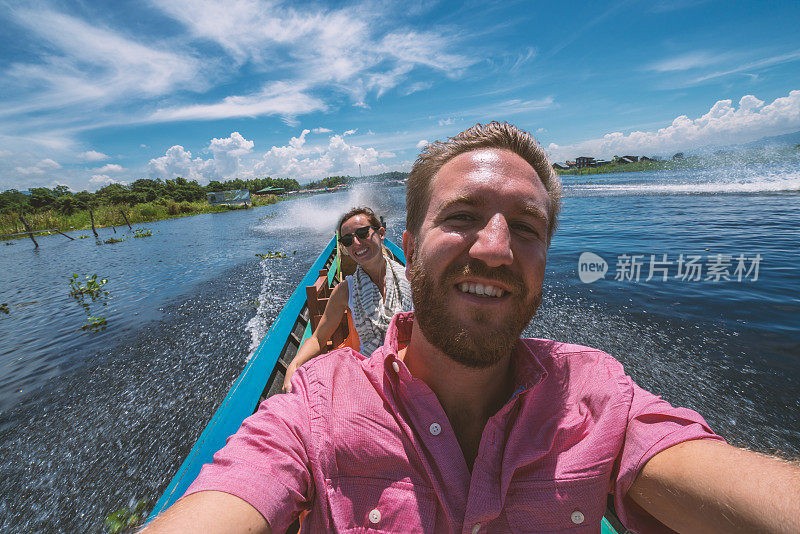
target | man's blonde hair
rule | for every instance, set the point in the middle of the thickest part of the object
(498, 135)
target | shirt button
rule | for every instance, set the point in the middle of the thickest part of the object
(476, 528)
(374, 516)
(396, 367)
(435, 429)
(577, 517)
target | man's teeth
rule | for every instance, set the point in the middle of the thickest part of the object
(481, 290)
(361, 252)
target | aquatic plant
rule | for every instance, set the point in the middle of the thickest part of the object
(95, 324)
(142, 232)
(112, 240)
(269, 255)
(4, 308)
(126, 518)
(93, 287)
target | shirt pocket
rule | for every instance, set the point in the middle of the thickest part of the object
(377, 505)
(574, 506)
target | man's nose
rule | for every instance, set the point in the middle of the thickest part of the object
(493, 243)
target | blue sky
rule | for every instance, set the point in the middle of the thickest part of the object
(101, 92)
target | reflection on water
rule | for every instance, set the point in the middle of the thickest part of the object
(107, 418)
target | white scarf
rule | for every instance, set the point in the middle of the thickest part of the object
(371, 312)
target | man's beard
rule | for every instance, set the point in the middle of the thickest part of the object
(444, 331)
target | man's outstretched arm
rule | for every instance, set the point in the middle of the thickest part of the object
(704, 486)
(210, 512)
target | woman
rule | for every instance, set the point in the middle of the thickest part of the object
(374, 293)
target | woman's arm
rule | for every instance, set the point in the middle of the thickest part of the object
(315, 344)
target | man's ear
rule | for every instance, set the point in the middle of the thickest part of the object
(408, 246)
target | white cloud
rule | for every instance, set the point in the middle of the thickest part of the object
(350, 132)
(422, 143)
(178, 162)
(691, 60)
(40, 168)
(228, 153)
(88, 63)
(751, 66)
(342, 48)
(417, 86)
(143, 146)
(110, 168)
(541, 130)
(305, 163)
(320, 130)
(447, 122)
(523, 57)
(92, 155)
(725, 123)
(280, 99)
(104, 179)
(225, 163)
(48, 164)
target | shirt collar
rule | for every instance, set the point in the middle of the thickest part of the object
(528, 370)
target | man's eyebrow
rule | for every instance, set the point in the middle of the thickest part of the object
(467, 200)
(527, 209)
(533, 211)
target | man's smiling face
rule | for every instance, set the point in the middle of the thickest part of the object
(477, 264)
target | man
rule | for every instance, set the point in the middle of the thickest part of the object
(456, 424)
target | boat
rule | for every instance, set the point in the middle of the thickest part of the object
(263, 375)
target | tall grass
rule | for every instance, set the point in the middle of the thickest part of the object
(106, 216)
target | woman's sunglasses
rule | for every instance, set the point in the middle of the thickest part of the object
(361, 233)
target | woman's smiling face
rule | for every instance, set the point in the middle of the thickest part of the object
(363, 250)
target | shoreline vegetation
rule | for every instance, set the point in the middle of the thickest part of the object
(637, 166)
(145, 200)
(111, 216)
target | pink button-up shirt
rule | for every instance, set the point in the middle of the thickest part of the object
(365, 446)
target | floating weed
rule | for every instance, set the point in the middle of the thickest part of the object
(7, 243)
(112, 240)
(270, 255)
(126, 518)
(82, 236)
(4, 308)
(93, 287)
(95, 324)
(142, 232)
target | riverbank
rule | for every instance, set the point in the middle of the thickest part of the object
(107, 216)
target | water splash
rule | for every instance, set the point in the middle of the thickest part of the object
(321, 213)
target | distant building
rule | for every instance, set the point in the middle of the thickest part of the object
(678, 155)
(236, 197)
(631, 159)
(270, 191)
(601, 162)
(585, 161)
(645, 158)
(560, 166)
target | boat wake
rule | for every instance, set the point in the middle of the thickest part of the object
(701, 183)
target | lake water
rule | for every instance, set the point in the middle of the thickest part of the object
(93, 421)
